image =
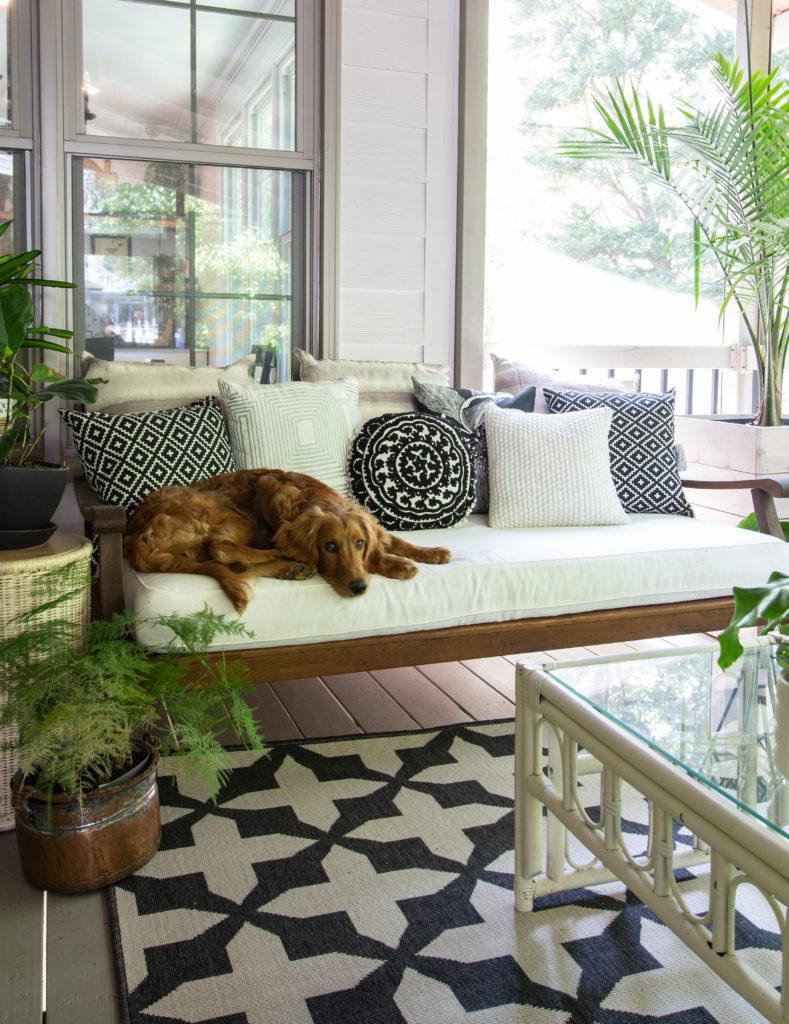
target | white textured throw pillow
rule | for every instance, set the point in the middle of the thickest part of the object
(513, 377)
(383, 387)
(550, 470)
(149, 387)
(304, 428)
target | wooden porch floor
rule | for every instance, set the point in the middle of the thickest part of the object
(79, 971)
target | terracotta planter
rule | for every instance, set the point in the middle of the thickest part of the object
(723, 448)
(68, 848)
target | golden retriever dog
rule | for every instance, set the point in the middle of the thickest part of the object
(267, 522)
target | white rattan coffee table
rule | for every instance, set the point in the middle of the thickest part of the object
(701, 747)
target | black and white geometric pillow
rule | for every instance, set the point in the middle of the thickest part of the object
(467, 407)
(129, 455)
(641, 446)
(414, 471)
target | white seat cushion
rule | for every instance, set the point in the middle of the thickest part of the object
(494, 576)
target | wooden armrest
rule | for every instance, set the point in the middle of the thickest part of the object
(103, 518)
(764, 490)
(776, 486)
(105, 524)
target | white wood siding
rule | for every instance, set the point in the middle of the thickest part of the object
(398, 171)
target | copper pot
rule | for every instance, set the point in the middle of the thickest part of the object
(65, 847)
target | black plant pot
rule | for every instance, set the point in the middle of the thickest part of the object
(29, 496)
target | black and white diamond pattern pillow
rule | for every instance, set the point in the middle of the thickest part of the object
(127, 456)
(640, 444)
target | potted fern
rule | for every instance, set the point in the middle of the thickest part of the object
(90, 715)
(31, 489)
(728, 164)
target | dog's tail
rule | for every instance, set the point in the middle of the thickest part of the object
(234, 584)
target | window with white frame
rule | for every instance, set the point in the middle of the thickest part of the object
(190, 149)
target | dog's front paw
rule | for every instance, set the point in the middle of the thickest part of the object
(299, 571)
(440, 556)
(407, 571)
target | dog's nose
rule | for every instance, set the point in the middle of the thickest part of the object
(357, 587)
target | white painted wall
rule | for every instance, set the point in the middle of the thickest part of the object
(398, 172)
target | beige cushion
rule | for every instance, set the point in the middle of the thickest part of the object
(383, 387)
(513, 377)
(146, 387)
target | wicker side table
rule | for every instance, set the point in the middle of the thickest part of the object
(28, 578)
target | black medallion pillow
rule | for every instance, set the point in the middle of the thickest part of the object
(129, 455)
(414, 471)
(467, 407)
(640, 445)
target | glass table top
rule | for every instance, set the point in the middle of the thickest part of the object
(719, 726)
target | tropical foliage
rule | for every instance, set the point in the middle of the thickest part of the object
(729, 165)
(25, 384)
(76, 704)
(768, 604)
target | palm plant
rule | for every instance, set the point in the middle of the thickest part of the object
(729, 165)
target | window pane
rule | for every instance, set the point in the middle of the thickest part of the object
(136, 80)
(144, 79)
(586, 252)
(5, 66)
(7, 168)
(185, 263)
(238, 59)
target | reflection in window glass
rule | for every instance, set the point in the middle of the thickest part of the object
(587, 252)
(6, 119)
(185, 263)
(7, 161)
(154, 70)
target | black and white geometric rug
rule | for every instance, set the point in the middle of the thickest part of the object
(369, 881)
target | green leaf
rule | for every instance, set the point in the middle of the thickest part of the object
(768, 603)
(55, 332)
(49, 345)
(750, 523)
(7, 441)
(46, 283)
(79, 391)
(16, 315)
(42, 372)
(696, 261)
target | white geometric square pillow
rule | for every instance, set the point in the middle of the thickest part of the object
(300, 427)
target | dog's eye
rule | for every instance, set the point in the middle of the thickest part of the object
(331, 546)
(360, 544)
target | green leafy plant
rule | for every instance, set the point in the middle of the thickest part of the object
(729, 166)
(25, 385)
(768, 604)
(77, 704)
(750, 523)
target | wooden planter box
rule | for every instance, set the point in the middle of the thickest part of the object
(722, 449)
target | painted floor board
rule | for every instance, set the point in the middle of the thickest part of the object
(424, 702)
(314, 709)
(20, 940)
(81, 974)
(369, 703)
(496, 672)
(272, 717)
(467, 689)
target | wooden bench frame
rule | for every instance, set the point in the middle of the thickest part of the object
(106, 523)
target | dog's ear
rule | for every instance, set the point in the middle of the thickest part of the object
(374, 534)
(299, 539)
